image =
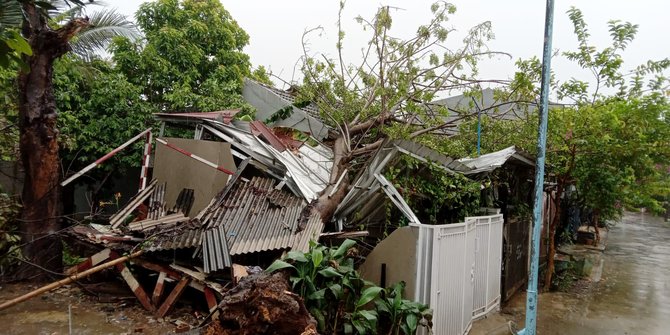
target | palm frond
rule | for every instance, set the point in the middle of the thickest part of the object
(11, 14)
(105, 25)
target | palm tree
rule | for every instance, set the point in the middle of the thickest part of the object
(12, 44)
(52, 29)
(103, 26)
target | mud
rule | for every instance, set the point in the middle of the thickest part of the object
(632, 297)
(48, 314)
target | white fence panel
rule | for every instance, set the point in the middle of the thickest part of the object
(488, 258)
(458, 271)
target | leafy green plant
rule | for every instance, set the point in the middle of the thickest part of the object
(343, 302)
(70, 258)
(9, 238)
(435, 195)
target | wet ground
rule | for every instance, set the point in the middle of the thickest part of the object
(48, 314)
(632, 297)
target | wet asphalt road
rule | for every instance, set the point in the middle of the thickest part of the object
(633, 296)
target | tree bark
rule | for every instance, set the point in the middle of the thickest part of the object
(326, 204)
(263, 304)
(39, 144)
(552, 239)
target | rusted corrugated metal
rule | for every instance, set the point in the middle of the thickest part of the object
(252, 216)
(255, 217)
(180, 239)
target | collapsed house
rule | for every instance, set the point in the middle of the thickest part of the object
(210, 207)
(238, 195)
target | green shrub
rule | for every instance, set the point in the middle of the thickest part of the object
(9, 237)
(344, 303)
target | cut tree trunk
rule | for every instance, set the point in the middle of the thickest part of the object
(39, 144)
(263, 304)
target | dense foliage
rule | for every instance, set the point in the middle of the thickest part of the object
(12, 45)
(344, 303)
(191, 58)
(9, 130)
(435, 195)
(98, 111)
(9, 236)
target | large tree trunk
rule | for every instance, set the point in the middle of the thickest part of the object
(327, 202)
(39, 144)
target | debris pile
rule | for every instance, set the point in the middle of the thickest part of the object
(213, 211)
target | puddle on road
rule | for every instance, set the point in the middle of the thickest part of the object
(48, 314)
(633, 296)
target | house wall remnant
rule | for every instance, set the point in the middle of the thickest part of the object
(180, 171)
(398, 252)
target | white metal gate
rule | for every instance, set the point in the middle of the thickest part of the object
(458, 271)
(450, 277)
(488, 260)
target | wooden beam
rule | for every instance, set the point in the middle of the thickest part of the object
(171, 273)
(169, 302)
(67, 280)
(90, 262)
(158, 289)
(210, 297)
(135, 287)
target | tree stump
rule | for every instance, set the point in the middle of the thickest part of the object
(263, 304)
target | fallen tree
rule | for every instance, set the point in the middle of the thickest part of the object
(388, 94)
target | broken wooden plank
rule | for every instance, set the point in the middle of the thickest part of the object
(158, 289)
(158, 268)
(169, 302)
(151, 223)
(199, 277)
(194, 274)
(90, 262)
(116, 219)
(210, 297)
(345, 234)
(239, 272)
(135, 286)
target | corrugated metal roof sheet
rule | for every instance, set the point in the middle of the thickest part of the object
(494, 160)
(308, 169)
(289, 97)
(366, 186)
(251, 217)
(257, 217)
(268, 101)
(180, 239)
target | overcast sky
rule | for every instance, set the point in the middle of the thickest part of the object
(276, 27)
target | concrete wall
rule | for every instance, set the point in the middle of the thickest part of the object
(398, 252)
